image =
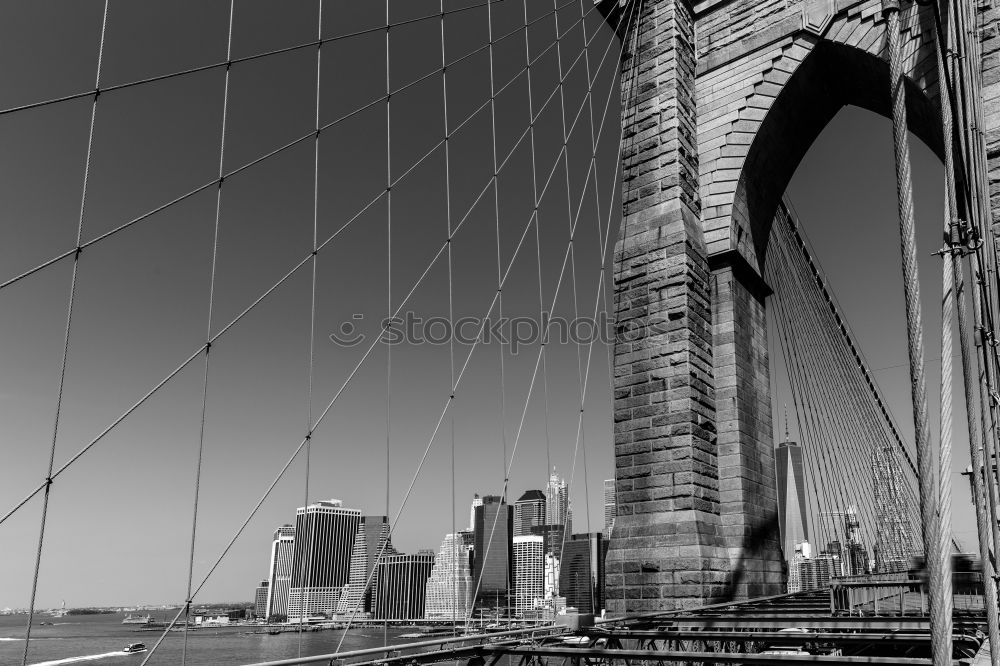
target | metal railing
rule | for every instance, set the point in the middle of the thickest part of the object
(449, 644)
(881, 595)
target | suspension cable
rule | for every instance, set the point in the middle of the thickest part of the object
(208, 335)
(451, 325)
(47, 485)
(307, 471)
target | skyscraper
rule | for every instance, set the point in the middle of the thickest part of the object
(581, 576)
(551, 582)
(553, 535)
(610, 507)
(324, 538)
(799, 555)
(401, 585)
(493, 558)
(371, 538)
(529, 511)
(449, 587)
(793, 517)
(556, 500)
(280, 571)
(476, 501)
(260, 599)
(529, 572)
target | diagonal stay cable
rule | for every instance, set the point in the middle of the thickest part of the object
(869, 388)
(266, 156)
(813, 318)
(208, 335)
(256, 302)
(66, 337)
(802, 412)
(808, 316)
(831, 298)
(812, 443)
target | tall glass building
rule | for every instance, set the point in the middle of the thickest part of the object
(492, 572)
(260, 599)
(793, 519)
(581, 575)
(529, 511)
(324, 539)
(280, 572)
(371, 539)
(401, 586)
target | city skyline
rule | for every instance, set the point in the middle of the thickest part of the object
(329, 547)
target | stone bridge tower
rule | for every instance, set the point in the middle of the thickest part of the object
(721, 100)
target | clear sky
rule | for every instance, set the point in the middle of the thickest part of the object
(120, 518)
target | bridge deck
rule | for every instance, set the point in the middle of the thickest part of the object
(750, 632)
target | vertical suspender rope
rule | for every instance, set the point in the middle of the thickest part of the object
(572, 258)
(388, 345)
(451, 318)
(304, 581)
(542, 316)
(939, 568)
(208, 333)
(66, 336)
(954, 293)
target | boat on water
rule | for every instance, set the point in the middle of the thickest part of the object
(138, 619)
(132, 648)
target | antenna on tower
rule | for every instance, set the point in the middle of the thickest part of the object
(786, 422)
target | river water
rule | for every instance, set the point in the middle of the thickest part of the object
(99, 639)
